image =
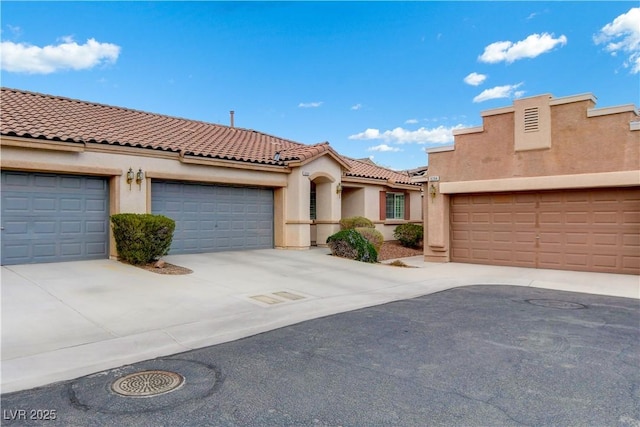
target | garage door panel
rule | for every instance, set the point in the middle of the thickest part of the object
(213, 218)
(53, 217)
(592, 230)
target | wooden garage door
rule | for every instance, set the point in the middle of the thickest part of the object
(585, 230)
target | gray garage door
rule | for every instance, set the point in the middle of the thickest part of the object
(52, 217)
(211, 218)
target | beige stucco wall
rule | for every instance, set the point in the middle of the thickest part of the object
(116, 163)
(364, 200)
(293, 228)
(326, 173)
(588, 148)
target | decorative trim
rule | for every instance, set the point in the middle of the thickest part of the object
(496, 111)
(573, 98)
(595, 112)
(555, 182)
(194, 160)
(56, 168)
(42, 144)
(215, 179)
(325, 221)
(379, 182)
(465, 131)
(298, 222)
(440, 149)
(132, 151)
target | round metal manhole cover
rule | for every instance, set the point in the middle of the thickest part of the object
(554, 303)
(147, 383)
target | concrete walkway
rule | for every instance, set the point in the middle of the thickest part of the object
(65, 320)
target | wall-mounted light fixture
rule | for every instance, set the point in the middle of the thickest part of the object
(339, 188)
(130, 176)
(432, 191)
(139, 178)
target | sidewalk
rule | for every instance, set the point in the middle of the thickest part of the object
(65, 320)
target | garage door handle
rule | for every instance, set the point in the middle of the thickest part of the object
(537, 237)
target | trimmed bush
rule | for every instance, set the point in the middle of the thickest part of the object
(409, 235)
(142, 238)
(351, 244)
(373, 236)
(355, 222)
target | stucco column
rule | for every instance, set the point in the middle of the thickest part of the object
(296, 222)
(328, 210)
(436, 245)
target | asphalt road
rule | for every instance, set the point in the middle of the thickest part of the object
(473, 356)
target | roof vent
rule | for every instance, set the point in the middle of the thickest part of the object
(531, 119)
(231, 113)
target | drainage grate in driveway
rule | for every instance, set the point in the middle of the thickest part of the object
(147, 383)
(274, 298)
(553, 303)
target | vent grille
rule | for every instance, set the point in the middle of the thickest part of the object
(531, 119)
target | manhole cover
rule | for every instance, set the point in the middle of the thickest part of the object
(147, 383)
(554, 303)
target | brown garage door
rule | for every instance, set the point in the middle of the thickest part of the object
(586, 230)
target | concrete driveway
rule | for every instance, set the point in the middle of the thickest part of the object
(470, 356)
(64, 320)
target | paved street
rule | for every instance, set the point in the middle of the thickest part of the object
(478, 355)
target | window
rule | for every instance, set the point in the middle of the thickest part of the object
(395, 205)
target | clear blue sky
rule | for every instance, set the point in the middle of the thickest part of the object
(381, 79)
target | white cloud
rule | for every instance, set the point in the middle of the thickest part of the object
(25, 58)
(475, 79)
(310, 104)
(411, 121)
(356, 107)
(532, 46)
(623, 34)
(382, 148)
(506, 91)
(438, 135)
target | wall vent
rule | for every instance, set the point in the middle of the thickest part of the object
(531, 119)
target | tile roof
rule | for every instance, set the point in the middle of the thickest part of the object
(35, 115)
(365, 168)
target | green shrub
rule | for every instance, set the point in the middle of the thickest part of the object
(373, 236)
(142, 238)
(409, 235)
(351, 244)
(355, 222)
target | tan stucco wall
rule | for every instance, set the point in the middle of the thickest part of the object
(588, 148)
(364, 200)
(138, 198)
(326, 173)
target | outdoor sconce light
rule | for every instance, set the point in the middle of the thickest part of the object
(432, 192)
(130, 176)
(139, 178)
(339, 188)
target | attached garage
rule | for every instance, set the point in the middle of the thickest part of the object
(586, 230)
(212, 218)
(53, 217)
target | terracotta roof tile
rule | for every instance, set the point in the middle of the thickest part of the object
(365, 168)
(35, 115)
